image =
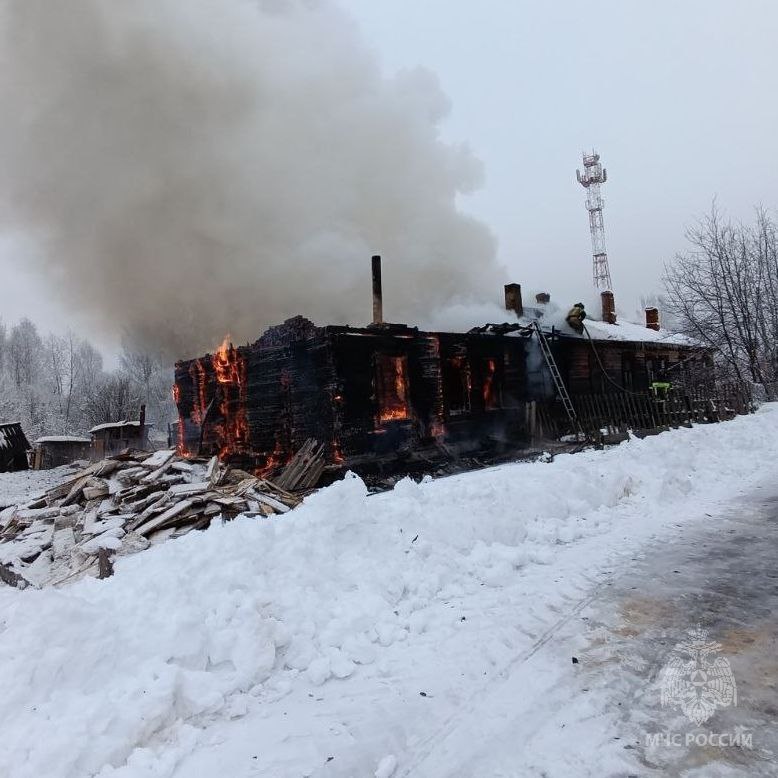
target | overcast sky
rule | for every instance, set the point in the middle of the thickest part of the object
(679, 98)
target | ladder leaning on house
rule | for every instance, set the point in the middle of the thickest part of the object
(557, 377)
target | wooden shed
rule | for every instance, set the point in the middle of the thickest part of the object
(113, 437)
(55, 450)
(13, 447)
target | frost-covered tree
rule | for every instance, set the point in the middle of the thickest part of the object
(724, 291)
(58, 384)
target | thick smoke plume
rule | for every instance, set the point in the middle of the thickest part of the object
(196, 167)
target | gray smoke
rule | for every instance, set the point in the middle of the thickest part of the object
(196, 167)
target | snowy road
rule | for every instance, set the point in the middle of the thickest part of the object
(426, 632)
(542, 719)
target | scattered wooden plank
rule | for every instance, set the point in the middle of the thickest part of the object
(188, 490)
(305, 467)
(153, 507)
(34, 514)
(267, 499)
(213, 471)
(11, 578)
(160, 536)
(269, 486)
(127, 500)
(155, 475)
(106, 467)
(158, 459)
(104, 564)
(159, 521)
(95, 492)
(39, 572)
(75, 491)
(64, 539)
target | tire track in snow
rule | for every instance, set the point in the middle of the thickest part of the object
(478, 697)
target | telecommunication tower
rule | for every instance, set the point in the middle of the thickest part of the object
(595, 174)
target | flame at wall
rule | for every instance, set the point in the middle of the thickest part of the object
(392, 388)
(218, 406)
(233, 429)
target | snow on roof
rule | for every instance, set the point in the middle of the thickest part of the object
(115, 425)
(633, 333)
(624, 331)
(62, 439)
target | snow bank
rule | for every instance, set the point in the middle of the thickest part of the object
(97, 677)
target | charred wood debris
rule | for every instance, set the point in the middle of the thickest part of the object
(130, 501)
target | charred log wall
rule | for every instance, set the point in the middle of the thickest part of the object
(382, 393)
(289, 398)
(463, 390)
(390, 396)
(256, 405)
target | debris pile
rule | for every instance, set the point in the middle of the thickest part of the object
(122, 505)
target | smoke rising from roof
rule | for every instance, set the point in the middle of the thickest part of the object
(195, 167)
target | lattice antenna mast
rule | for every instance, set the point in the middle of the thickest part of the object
(595, 174)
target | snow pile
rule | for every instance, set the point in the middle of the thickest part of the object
(99, 677)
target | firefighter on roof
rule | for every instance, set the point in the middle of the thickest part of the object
(575, 317)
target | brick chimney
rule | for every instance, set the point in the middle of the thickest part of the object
(652, 318)
(513, 299)
(608, 307)
(542, 298)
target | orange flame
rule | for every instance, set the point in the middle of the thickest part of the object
(181, 448)
(197, 371)
(393, 390)
(273, 461)
(230, 370)
(490, 400)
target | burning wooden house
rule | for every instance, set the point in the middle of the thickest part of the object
(372, 394)
(391, 396)
(13, 447)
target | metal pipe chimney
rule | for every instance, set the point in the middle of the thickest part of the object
(142, 425)
(378, 298)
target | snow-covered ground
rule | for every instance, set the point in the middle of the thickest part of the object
(416, 632)
(17, 488)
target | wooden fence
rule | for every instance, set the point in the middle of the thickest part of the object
(610, 416)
